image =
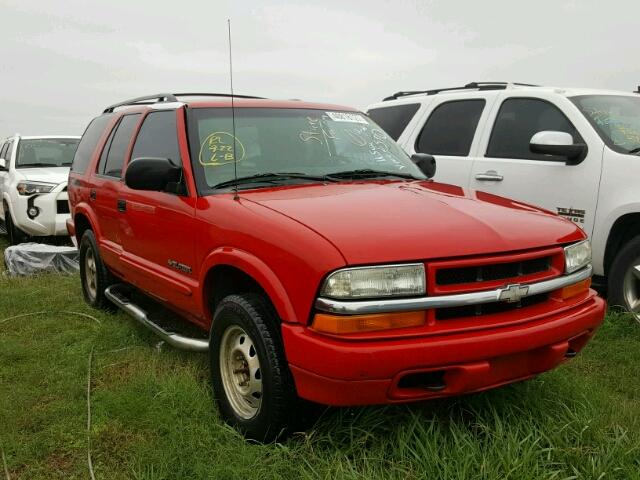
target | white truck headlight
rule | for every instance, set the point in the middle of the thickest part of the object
(377, 281)
(31, 188)
(577, 256)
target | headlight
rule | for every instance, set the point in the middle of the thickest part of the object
(577, 256)
(379, 281)
(30, 188)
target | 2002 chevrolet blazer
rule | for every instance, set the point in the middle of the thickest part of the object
(321, 260)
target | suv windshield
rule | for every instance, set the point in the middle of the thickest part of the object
(616, 118)
(46, 152)
(291, 146)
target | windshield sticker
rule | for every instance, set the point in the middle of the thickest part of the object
(218, 149)
(346, 117)
(317, 131)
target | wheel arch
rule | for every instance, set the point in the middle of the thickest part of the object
(624, 229)
(84, 220)
(229, 270)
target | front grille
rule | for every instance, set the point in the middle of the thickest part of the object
(493, 308)
(62, 206)
(492, 272)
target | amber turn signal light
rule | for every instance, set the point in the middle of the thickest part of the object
(575, 289)
(344, 324)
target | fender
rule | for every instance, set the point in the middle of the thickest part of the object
(255, 268)
(601, 235)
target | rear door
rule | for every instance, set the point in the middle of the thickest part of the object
(448, 132)
(107, 185)
(158, 228)
(508, 168)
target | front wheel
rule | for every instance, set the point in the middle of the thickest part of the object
(624, 279)
(251, 379)
(16, 236)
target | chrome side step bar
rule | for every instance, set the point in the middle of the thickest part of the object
(178, 341)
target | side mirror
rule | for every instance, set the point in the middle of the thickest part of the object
(550, 142)
(3, 164)
(426, 163)
(153, 174)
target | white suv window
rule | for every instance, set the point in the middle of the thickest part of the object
(450, 128)
(518, 120)
(394, 119)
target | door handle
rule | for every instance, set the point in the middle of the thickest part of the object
(122, 205)
(489, 176)
(92, 195)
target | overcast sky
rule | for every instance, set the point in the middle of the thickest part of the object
(62, 62)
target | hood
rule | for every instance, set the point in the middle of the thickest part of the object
(382, 222)
(55, 175)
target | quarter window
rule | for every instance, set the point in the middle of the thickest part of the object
(88, 143)
(395, 119)
(158, 137)
(3, 150)
(518, 120)
(118, 146)
(450, 128)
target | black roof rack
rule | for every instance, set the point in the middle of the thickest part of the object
(168, 97)
(638, 90)
(468, 86)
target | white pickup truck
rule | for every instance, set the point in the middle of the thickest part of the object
(573, 151)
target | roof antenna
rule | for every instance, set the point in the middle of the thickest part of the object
(233, 118)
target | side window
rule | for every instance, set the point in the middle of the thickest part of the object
(158, 137)
(8, 152)
(395, 119)
(88, 143)
(450, 128)
(521, 118)
(119, 145)
(3, 150)
(105, 149)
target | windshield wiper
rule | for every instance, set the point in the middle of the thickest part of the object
(27, 165)
(369, 173)
(633, 151)
(270, 178)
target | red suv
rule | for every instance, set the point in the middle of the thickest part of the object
(318, 260)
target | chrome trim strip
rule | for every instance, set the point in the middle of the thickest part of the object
(444, 301)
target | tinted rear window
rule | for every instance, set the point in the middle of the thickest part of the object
(394, 120)
(450, 128)
(88, 143)
(120, 145)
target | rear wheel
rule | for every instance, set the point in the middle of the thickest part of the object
(251, 380)
(94, 276)
(624, 279)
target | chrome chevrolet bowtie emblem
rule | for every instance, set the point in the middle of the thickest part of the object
(513, 293)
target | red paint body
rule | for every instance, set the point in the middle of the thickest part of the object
(289, 238)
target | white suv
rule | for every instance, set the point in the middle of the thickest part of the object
(33, 185)
(575, 152)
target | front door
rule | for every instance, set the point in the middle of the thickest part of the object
(508, 167)
(158, 228)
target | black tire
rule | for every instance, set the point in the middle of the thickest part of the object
(278, 412)
(94, 295)
(16, 236)
(624, 260)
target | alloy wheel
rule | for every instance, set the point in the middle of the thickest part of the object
(631, 289)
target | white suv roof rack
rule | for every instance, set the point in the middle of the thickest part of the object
(468, 86)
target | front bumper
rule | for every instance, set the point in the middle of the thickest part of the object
(345, 372)
(49, 221)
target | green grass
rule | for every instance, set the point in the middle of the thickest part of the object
(153, 416)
